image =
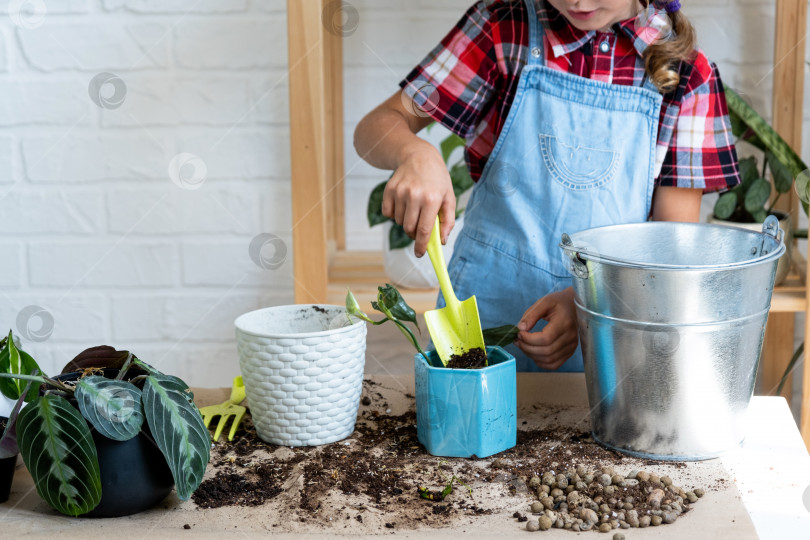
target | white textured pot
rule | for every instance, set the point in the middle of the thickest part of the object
(303, 372)
(408, 271)
(783, 268)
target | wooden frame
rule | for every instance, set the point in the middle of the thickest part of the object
(322, 267)
(788, 106)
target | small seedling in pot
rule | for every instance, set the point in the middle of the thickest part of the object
(393, 306)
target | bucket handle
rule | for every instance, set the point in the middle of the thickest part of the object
(578, 266)
(771, 228)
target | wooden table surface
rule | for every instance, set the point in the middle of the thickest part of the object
(770, 473)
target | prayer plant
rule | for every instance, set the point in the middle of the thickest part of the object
(54, 429)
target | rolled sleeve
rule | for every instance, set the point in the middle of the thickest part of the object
(701, 153)
(456, 82)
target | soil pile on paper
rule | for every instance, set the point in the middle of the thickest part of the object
(378, 478)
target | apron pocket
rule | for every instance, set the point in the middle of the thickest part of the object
(578, 167)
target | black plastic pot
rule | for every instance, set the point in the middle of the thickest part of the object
(134, 473)
(7, 466)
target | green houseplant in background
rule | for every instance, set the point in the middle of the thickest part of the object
(83, 431)
(749, 203)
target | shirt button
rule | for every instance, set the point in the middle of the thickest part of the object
(536, 52)
(604, 46)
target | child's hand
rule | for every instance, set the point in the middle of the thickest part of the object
(555, 344)
(419, 190)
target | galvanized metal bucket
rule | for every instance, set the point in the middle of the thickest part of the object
(671, 321)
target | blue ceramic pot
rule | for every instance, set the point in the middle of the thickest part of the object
(466, 412)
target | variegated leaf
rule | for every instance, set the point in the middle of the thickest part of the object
(18, 362)
(113, 407)
(58, 450)
(178, 430)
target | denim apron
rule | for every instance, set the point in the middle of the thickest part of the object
(573, 154)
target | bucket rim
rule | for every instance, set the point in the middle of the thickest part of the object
(582, 252)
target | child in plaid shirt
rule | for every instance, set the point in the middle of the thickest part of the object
(576, 114)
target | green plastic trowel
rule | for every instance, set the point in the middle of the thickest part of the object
(456, 328)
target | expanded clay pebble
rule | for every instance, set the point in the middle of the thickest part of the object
(618, 536)
(579, 500)
(533, 525)
(588, 515)
(699, 492)
(655, 497)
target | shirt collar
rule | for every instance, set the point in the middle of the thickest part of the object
(650, 25)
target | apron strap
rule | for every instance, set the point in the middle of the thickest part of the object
(536, 56)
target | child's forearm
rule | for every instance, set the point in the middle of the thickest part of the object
(676, 204)
(387, 135)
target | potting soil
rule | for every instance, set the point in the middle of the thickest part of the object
(472, 359)
(382, 478)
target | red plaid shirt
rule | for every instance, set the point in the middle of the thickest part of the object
(469, 80)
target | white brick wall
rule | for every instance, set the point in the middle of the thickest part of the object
(93, 229)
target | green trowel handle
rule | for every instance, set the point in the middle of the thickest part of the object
(237, 391)
(434, 249)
